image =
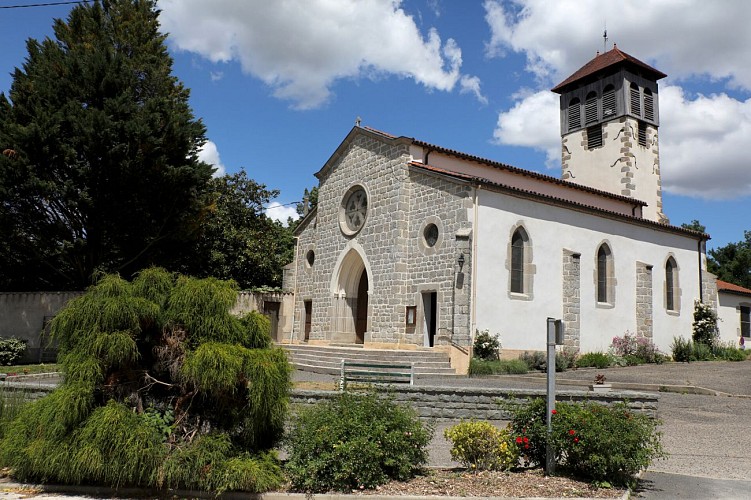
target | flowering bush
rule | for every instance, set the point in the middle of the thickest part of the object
(705, 324)
(355, 441)
(486, 346)
(599, 442)
(635, 350)
(482, 446)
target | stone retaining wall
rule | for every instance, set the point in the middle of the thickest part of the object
(446, 403)
(456, 403)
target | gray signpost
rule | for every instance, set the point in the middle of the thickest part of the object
(555, 337)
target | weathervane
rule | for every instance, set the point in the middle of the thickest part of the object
(605, 39)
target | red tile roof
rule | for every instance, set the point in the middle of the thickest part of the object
(528, 173)
(561, 201)
(724, 286)
(613, 57)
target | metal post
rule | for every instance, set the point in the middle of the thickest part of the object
(412, 373)
(341, 377)
(549, 452)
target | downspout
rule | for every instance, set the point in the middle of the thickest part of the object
(701, 276)
(475, 235)
(294, 292)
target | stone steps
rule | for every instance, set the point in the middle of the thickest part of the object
(327, 360)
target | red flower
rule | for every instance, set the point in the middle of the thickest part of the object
(553, 412)
(526, 440)
(576, 440)
(572, 432)
(526, 446)
(518, 440)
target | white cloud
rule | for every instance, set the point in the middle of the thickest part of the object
(703, 145)
(300, 48)
(533, 121)
(471, 85)
(210, 154)
(281, 213)
(687, 37)
(702, 137)
(216, 75)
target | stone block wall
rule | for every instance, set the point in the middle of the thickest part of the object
(401, 201)
(445, 203)
(644, 300)
(572, 298)
(23, 315)
(456, 403)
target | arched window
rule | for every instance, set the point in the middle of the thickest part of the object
(608, 102)
(590, 108)
(604, 274)
(574, 114)
(670, 281)
(635, 100)
(649, 105)
(518, 241)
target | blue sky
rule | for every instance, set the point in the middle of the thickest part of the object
(280, 83)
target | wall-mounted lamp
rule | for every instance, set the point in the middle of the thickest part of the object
(460, 261)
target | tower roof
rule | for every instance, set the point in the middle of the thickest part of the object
(602, 62)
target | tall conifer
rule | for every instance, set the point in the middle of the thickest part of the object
(99, 170)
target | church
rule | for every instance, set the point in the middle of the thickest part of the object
(414, 245)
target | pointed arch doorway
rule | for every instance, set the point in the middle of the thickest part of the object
(361, 309)
(351, 287)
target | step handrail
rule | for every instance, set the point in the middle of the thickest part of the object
(386, 374)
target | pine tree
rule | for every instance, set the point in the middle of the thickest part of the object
(99, 171)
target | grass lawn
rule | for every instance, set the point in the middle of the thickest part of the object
(29, 369)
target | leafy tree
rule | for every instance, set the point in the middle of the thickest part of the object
(732, 262)
(162, 387)
(239, 241)
(695, 225)
(100, 169)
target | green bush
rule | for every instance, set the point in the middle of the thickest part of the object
(486, 346)
(681, 349)
(535, 360)
(594, 441)
(633, 360)
(729, 352)
(538, 360)
(482, 446)
(479, 367)
(11, 404)
(355, 441)
(701, 352)
(565, 359)
(593, 359)
(11, 350)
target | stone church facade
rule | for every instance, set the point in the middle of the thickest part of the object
(414, 245)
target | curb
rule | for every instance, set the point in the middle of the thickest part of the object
(104, 492)
(632, 386)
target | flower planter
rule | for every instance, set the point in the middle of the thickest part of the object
(598, 388)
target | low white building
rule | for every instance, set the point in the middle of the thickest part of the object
(734, 313)
(413, 244)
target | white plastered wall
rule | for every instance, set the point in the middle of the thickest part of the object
(729, 315)
(521, 323)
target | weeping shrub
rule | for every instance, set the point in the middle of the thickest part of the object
(162, 387)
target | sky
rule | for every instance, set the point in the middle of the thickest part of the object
(279, 84)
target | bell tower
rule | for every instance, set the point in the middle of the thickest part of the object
(609, 122)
